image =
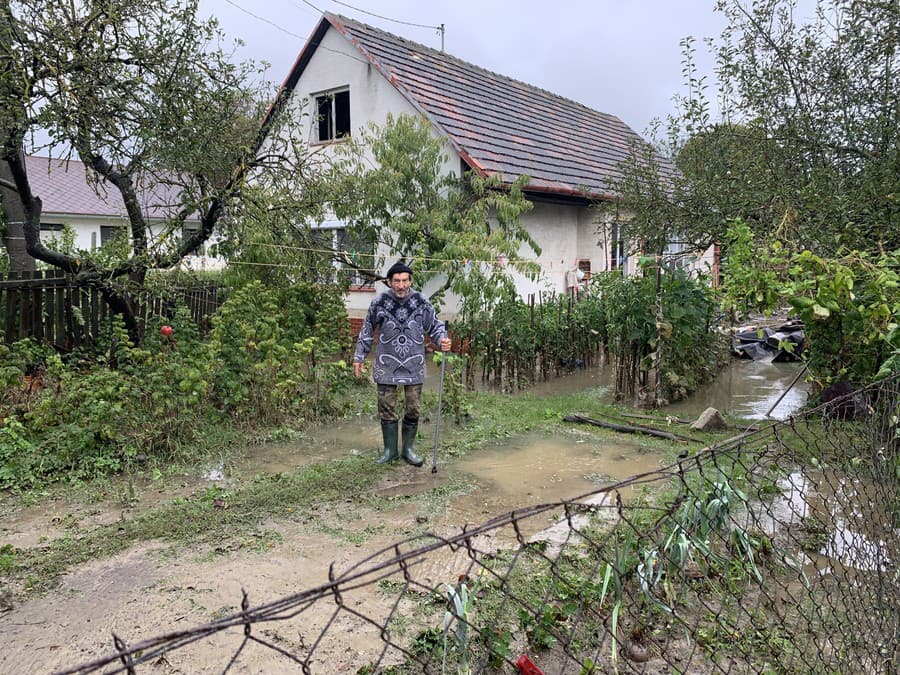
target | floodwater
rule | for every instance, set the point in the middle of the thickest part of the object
(511, 474)
(856, 537)
(538, 470)
(744, 389)
(749, 389)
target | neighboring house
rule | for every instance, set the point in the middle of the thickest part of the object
(349, 75)
(97, 215)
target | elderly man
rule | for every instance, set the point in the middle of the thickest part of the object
(403, 317)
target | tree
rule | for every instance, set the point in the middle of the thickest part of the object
(810, 142)
(463, 230)
(805, 164)
(143, 95)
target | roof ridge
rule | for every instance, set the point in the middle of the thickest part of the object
(443, 54)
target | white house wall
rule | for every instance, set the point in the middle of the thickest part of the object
(337, 64)
(87, 236)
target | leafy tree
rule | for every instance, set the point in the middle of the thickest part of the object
(143, 95)
(805, 164)
(811, 138)
(455, 228)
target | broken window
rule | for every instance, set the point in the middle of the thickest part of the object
(333, 115)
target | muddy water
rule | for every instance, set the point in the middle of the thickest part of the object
(536, 470)
(516, 472)
(749, 389)
(853, 537)
(746, 389)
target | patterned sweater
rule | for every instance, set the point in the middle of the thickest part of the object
(402, 325)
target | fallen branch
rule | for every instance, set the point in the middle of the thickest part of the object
(681, 420)
(627, 428)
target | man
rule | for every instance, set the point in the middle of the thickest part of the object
(403, 318)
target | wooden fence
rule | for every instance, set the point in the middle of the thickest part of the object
(49, 307)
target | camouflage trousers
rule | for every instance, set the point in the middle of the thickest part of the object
(387, 401)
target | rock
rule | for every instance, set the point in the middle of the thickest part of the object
(708, 420)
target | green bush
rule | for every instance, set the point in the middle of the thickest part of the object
(273, 357)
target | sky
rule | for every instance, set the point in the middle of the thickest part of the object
(621, 57)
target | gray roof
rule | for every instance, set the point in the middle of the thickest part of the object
(497, 124)
(64, 190)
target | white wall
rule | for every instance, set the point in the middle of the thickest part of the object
(87, 236)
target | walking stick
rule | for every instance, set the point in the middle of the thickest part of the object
(437, 421)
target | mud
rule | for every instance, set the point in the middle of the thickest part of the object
(152, 590)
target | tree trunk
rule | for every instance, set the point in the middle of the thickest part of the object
(14, 228)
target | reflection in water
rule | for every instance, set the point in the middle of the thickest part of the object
(852, 540)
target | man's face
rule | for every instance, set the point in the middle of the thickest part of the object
(400, 284)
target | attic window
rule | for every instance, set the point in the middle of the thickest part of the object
(333, 115)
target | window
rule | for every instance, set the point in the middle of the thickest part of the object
(333, 115)
(617, 258)
(334, 235)
(584, 266)
(677, 255)
(111, 233)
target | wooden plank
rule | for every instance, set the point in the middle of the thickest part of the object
(49, 312)
(37, 308)
(93, 313)
(9, 303)
(62, 338)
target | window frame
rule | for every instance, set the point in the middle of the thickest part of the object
(338, 231)
(334, 120)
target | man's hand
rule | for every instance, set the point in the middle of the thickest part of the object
(358, 367)
(445, 344)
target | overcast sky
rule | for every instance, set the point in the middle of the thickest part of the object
(621, 57)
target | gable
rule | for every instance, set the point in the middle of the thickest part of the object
(497, 125)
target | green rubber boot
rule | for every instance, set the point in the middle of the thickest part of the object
(409, 437)
(389, 434)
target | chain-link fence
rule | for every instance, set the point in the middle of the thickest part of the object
(774, 552)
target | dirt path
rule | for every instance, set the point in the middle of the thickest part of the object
(152, 589)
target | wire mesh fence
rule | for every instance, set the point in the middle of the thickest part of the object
(773, 552)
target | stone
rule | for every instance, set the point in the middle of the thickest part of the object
(709, 419)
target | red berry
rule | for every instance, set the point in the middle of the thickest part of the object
(166, 331)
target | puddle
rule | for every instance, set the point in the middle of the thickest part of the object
(852, 539)
(360, 435)
(531, 470)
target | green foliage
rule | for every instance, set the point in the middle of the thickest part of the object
(850, 304)
(169, 111)
(454, 396)
(453, 229)
(514, 343)
(807, 162)
(273, 357)
(460, 605)
(273, 350)
(809, 143)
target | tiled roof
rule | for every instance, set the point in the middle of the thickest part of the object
(497, 124)
(64, 191)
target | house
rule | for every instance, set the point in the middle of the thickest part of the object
(350, 74)
(97, 215)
